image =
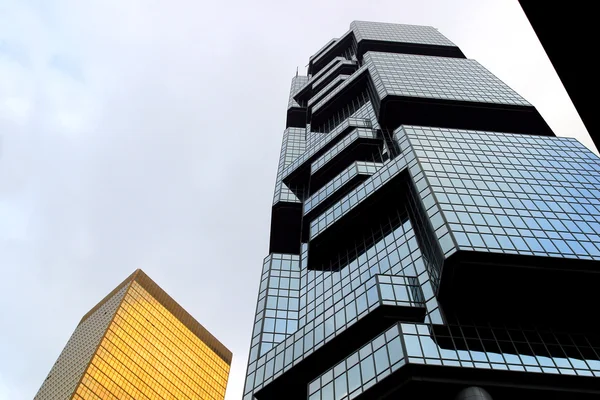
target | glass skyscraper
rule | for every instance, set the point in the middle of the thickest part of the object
(431, 237)
(138, 343)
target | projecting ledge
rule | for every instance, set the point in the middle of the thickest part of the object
(361, 145)
(547, 291)
(294, 381)
(377, 202)
(297, 174)
(444, 382)
(285, 228)
(296, 117)
(403, 110)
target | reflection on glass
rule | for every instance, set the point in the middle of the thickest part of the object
(147, 353)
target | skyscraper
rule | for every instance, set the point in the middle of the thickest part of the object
(430, 236)
(138, 343)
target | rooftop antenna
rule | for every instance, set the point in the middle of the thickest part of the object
(296, 71)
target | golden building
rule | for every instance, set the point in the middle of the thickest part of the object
(139, 344)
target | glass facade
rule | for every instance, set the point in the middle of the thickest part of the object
(445, 78)
(145, 347)
(507, 193)
(456, 255)
(406, 343)
(386, 32)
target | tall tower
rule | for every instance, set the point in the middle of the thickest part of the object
(138, 343)
(430, 236)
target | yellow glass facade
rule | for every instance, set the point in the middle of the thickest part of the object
(153, 349)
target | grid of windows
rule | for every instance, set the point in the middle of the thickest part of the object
(147, 353)
(495, 348)
(343, 314)
(317, 142)
(70, 365)
(335, 63)
(284, 194)
(399, 290)
(330, 301)
(381, 255)
(396, 253)
(298, 82)
(356, 196)
(356, 75)
(361, 370)
(315, 81)
(349, 52)
(516, 194)
(576, 167)
(435, 241)
(357, 168)
(367, 113)
(358, 108)
(409, 143)
(437, 77)
(460, 189)
(277, 300)
(321, 78)
(335, 82)
(358, 133)
(293, 145)
(402, 33)
(281, 302)
(322, 49)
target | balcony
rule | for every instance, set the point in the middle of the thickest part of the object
(337, 66)
(379, 302)
(374, 202)
(406, 361)
(450, 93)
(342, 67)
(344, 182)
(338, 80)
(360, 145)
(339, 97)
(296, 175)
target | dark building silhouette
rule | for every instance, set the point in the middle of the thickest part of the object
(431, 237)
(566, 31)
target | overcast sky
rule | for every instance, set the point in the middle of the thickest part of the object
(146, 134)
